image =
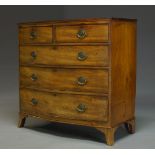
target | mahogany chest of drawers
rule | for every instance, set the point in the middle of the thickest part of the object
(80, 72)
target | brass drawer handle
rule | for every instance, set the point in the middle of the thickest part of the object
(81, 108)
(33, 35)
(81, 34)
(33, 54)
(82, 56)
(81, 81)
(34, 77)
(34, 101)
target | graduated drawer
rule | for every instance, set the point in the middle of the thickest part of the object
(65, 55)
(82, 33)
(80, 80)
(30, 35)
(78, 107)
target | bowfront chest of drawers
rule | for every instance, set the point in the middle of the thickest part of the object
(80, 72)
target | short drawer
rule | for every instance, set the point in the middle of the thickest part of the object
(30, 35)
(80, 80)
(78, 107)
(65, 55)
(82, 33)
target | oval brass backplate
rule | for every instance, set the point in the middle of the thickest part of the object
(81, 108)
(81, 56)
(81, 81)
(81, 34)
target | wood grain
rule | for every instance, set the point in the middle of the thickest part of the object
(109, 134)
(64, 106)
(110, 71)
(65, 55)
(130, 126)
(74, 21)
(43, 35)
(66, 22)
(95, 33)
(123, 75)
(65, 79)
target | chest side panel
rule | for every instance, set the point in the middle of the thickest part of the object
(123, 71)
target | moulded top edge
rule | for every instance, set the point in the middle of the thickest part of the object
(86, 20)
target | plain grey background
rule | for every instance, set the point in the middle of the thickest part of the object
(42, 134)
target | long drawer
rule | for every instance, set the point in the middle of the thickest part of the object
(80, 80)
(65, 55)
(79, 107)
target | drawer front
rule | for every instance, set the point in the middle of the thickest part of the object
(65, 55)
(80, 80)
(79, 107)
(85, 33)
(35, 35)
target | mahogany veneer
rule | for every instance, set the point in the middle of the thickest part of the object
(79, 72)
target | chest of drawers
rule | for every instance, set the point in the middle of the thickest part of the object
(80, 72)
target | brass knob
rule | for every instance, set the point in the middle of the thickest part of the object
(81, 34)
(33, 54)
(34, 77)
(81, 108)
(33, 35)
(34, 101)
(81, 81)
(82, 56)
